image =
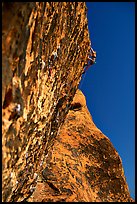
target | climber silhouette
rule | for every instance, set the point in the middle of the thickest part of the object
(91, 60)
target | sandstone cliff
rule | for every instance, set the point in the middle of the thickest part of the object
(51, 149)
(82, 165)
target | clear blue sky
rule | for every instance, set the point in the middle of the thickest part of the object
(109, 85)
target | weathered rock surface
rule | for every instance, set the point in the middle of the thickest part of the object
(82, 165)
(41, 159)
(37, 89)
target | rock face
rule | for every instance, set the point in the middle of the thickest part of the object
(46, 157)
(82, 165)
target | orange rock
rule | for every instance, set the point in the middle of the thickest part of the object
(83, 165)
(46, 157)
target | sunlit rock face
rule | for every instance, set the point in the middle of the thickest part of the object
(44, 48)
(51, 149)
(82, 165)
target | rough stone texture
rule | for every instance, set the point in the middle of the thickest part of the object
(36, 92)
(41, 159)
(83, 165)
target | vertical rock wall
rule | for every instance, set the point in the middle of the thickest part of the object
(37, 85)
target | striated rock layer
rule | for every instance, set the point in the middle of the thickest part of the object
(44, 48)
(37, 85)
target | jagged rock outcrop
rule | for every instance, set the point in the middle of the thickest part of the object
(82, 165)
(44, 48)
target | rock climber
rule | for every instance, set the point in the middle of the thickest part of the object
(93, 55)
(91, 60)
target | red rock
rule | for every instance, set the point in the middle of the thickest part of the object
(82, 165)
(46, 157)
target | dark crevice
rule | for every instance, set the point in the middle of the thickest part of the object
(53, 187)
(75, 106)
(8, 98)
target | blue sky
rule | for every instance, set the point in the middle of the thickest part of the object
(109, 85)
